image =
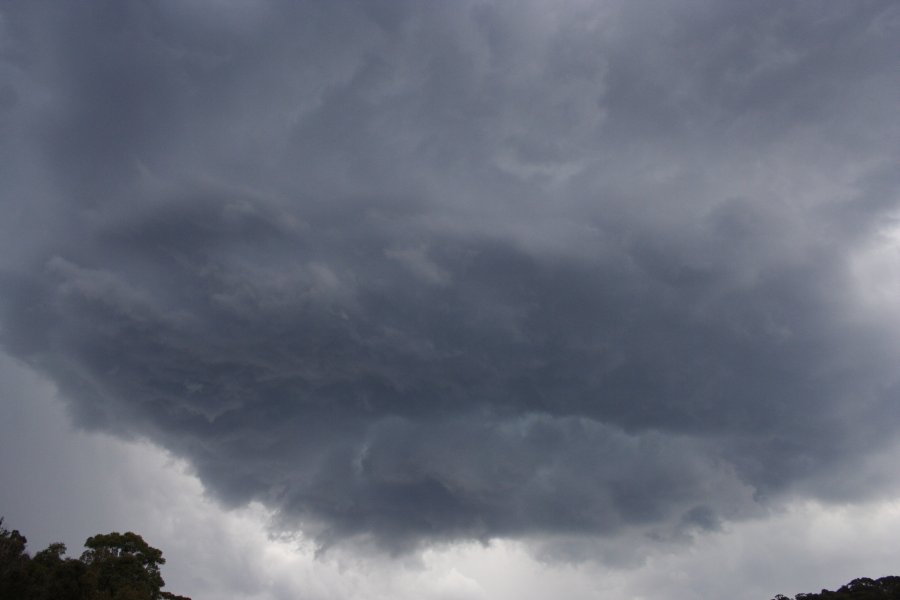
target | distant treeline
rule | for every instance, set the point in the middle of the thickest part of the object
(114, 566)
(885, 588)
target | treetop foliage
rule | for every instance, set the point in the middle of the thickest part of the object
(114, 566)
(885, 588)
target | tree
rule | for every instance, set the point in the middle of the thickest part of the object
(13, 563)
(114, 566)
(864, 588)
(123, 565)
(52, 576)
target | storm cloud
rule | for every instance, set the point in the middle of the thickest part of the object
(464, 270)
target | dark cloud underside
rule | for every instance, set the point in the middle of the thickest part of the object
(469, 269)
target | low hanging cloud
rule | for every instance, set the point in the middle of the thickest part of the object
(463, 270)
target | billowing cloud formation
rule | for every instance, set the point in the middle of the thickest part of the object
(469, 269)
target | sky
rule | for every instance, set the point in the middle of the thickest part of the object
(459, 300)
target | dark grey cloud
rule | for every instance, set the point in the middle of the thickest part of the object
(455, 270)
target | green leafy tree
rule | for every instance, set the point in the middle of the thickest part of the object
(114, 566)
(864, 588)
(52, 576)
(122, 566)
(13, 563)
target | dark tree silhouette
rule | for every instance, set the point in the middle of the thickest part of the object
(114, 566)
(123, 562)
(885, 588)
(13, 563)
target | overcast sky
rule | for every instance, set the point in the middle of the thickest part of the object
(455, 300)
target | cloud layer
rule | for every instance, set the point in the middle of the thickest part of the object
(464, 270)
